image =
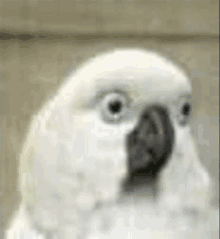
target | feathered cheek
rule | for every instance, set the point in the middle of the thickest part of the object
(182, 137)
(119, 168)
(108, 146)
(110, 157)
(182, 146)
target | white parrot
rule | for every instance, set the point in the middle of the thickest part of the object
(121, 115)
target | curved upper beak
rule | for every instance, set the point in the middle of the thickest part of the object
(151, 142)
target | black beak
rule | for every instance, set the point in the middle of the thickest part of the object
(151, 142)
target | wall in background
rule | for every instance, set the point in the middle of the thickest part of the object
(64, 33)
(111, 17)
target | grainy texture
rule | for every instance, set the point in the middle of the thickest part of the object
(110, 17)
(32, 70)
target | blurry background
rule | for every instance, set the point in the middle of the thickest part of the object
(41, 39)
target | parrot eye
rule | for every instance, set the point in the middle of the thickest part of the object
(114, 106)
(185, 111)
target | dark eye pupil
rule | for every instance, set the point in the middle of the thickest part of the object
(186, 109)
(115, 107)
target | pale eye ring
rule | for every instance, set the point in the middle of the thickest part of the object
(114, 106)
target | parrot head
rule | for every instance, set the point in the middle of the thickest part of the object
(116, 115)
(121, 113)
(129, 103)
